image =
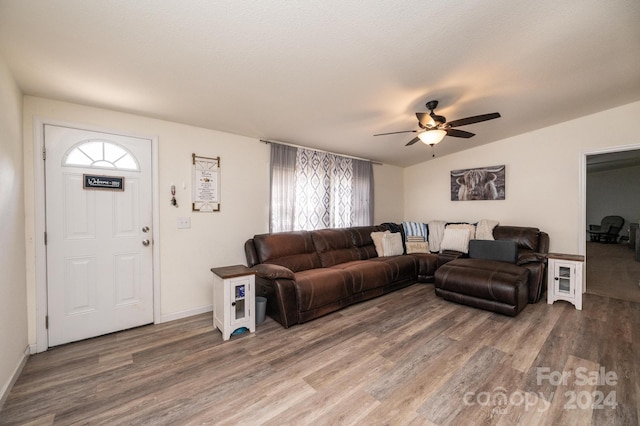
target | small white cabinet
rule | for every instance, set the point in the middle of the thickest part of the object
(565, 278)
(233, 299)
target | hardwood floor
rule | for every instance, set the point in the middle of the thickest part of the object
(612, 271)
(405, 358)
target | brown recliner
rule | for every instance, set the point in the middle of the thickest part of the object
(498, 284)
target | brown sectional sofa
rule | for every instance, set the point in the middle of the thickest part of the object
(307, 274)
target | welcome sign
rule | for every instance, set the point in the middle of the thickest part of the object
(113, 183)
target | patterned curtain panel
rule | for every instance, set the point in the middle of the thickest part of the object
(362, 201)
(314, 171)
(326, 191)
(340, 205)
(283, 188)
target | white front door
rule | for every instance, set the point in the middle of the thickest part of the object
(98, 227)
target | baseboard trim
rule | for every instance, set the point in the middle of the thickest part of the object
(184, 314)
(4, 393)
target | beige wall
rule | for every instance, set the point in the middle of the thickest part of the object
(388, 196)
(13, 315)
(215, 239)
(543, 183)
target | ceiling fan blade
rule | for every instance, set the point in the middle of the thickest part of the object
(459, 133)
(394, 133)
(412, 141)
(425, 120)
(474, 119)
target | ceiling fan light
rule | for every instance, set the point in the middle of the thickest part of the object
(432, 137)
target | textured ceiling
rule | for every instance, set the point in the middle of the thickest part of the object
(329, 74)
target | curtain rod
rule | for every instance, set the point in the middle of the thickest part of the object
(320, 150)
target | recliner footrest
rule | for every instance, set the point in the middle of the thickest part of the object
(492, 285)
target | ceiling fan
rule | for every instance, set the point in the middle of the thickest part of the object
(435, 127)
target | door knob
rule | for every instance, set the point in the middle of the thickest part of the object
(145, 242)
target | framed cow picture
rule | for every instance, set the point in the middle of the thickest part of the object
(483, 183)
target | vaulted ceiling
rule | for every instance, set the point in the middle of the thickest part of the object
(329, 74)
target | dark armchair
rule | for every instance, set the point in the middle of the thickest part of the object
(608, 230)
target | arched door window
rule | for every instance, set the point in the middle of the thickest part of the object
(100, 155)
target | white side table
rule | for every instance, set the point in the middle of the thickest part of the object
(565, 273)
(233, 299)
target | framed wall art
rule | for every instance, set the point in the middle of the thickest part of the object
(483, 183)
(206, 184)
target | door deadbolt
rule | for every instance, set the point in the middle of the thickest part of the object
(145, 229)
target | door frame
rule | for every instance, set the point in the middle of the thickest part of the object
(42, 336)
(582, 220)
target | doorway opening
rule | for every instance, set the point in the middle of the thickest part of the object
(610, 178)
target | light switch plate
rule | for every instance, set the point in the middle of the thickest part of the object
(184, 222)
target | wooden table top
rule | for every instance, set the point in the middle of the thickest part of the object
(233, 271)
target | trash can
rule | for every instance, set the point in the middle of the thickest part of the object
(261, 309)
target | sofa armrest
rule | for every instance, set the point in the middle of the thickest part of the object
(537, 280)
(536, 263)
(531, 257)
(278, 284)
(282, 301)
(543, 243)
(250, 253)
(273, 272)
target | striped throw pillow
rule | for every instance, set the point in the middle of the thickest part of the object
(415, 230)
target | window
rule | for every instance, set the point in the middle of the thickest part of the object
(100, 155)
(315, 190)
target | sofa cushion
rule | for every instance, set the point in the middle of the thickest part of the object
(502, 250)
(323, 286)
(402, 267)
(367, 274)
(362, 241)
(334, 246)
(294, 250)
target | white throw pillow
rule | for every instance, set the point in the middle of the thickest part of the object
(484, 230)
(470, 227)
(377, 241)
(455, 239)
(392, 244)
(417, 247)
